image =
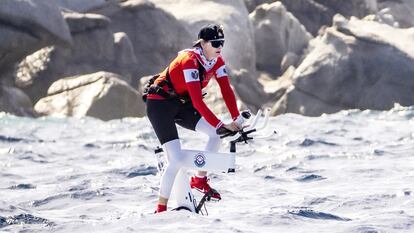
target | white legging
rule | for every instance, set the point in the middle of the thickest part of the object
(175, 158)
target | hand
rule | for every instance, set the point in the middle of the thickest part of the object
(234, 127)
(227, 129)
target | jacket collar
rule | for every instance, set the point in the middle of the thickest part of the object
(198, 52)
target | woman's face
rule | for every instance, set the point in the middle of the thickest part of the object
(212, 48)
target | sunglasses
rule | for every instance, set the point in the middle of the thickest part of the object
(217, 43)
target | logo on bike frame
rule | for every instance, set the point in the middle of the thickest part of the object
(199, 160)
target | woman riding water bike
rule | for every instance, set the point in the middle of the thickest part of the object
(175, 97)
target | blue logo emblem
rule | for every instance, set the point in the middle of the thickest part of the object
(194, 75)
(199, 160)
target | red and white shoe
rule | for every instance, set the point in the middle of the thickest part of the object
(160, 208)
(201, 184)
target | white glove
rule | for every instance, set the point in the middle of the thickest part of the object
(239, 121)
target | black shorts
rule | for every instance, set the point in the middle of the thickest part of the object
(164, 114)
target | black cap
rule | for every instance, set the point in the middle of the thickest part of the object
(210, 32)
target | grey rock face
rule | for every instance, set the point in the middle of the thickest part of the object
(355, 64)
(102, 95)
(95, 48)
(247, 87)
(15, 101)
(156, 35)
(252, 4)
(26, 26)
(314, 14)
(238, 52)
(83, 6)
(401, 10)
(276, 33)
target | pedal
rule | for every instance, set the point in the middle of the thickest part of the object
(211, 195)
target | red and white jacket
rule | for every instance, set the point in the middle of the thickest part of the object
(185, 79)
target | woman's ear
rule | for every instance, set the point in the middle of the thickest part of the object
(203, 43)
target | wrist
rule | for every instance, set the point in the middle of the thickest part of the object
(239, 120)
(219, 125)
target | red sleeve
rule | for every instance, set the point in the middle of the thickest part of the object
(226, 90)
(192, 80)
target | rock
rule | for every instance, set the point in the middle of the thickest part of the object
(27, 26)
(238, 51)
(156, 35)
(102, 95)
(276, 33)
(247, 87)
(84, 6)
(289, 59)
(95, 48)
(252, 4)
(355, 64)
(314, 14)
(214, 99)
(402, 11)
(357, 8)
(15, 101)
(310, 13)
(383, 16)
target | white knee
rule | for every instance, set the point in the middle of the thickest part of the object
(173, 151)
(214, 140)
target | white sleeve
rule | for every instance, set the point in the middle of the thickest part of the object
(221, 72)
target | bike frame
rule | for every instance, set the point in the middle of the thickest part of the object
(205, 161)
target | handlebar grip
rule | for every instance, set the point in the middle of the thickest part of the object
(224, 132)
(246, 114)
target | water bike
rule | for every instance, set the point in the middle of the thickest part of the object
(208, 161)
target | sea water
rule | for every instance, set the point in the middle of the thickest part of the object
(352, 171)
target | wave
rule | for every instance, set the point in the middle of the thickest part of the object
(142, 170)
(22, 186)
(317, 215)
(309, 178)
(23, 219)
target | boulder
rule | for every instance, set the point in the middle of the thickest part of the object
(26, 26)
(248, 89)
(252, 4)
(289, 59)
(383, 16)
(401, 10)
(239, 50)
(102, 95)
(357, 8)
(277, 32)
(355, 64)
(214, 99)
(95, 48)
(83, 6)
(314, 14)
(15, 101)
(155, 34)
(310, 13)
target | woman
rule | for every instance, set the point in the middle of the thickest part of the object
(176, 97)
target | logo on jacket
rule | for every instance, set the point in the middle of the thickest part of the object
(224, 70)
(199, 160)
(194, 74)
